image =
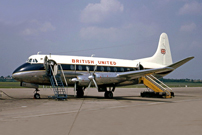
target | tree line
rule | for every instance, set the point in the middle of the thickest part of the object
(181, 80)
(7, 79)
(10, 79)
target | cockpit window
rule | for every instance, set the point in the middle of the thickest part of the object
(32, 60)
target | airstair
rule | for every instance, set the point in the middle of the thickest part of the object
(56, 74)
(156, 88)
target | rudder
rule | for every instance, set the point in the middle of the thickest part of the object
(163, 54)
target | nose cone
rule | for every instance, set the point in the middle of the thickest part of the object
(21, 68)
(17, 74)
(26, 71)
(14, 76)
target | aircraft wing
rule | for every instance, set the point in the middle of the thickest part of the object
(140, 73)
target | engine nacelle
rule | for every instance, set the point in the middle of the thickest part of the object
(100, 78)
(107, 78)
(29, 85)
(83, 80)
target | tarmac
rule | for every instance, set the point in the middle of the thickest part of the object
(126, 114)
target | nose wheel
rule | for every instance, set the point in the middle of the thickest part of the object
(36, 95)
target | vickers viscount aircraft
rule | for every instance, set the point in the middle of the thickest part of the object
(104, 73)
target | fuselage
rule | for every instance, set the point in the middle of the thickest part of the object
(80, 69)
(33, 71)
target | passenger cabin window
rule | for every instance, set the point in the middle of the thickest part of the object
(72, 67)
(108, 69)
(122, 69)
(80, 67)
(115, 69)
(102, 69)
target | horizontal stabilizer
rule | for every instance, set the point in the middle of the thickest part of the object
(180, 63)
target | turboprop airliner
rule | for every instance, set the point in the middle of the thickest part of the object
(104, 73)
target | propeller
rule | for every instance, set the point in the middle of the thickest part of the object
(92, 77)
(75, 80)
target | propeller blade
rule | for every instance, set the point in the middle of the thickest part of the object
(95, 68)
(75, 82)
(75, 89)
(88, 69)
(89, 85)
(92, 77)
(95, 83)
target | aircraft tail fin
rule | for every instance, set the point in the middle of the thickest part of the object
(163, 54)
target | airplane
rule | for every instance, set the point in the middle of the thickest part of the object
(104, 73)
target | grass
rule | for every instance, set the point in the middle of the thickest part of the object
(170, 84)
(10, 85)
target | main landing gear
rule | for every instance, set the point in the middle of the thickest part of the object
(109, 94)
(36, 95)
(80, 92)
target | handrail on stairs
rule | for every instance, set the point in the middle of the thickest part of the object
(158, 85)
(63, 74)
(154, 80)
(54, 76)
(161, 82)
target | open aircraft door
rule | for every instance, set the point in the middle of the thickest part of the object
(50, 66)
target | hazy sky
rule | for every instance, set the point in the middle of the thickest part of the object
(124, 29)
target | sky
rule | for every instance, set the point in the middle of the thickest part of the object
(123, 29)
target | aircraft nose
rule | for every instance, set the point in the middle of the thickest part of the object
(17, 76)
(17, 73)
(13, 76)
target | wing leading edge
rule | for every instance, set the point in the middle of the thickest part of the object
(180, 63)
(140, 73)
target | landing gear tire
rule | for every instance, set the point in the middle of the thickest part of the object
(142, 94)
(37, 96)
(108, 94)
(79, 93)
(172, 94)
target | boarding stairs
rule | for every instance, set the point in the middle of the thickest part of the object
(57, 82)
(156, 88)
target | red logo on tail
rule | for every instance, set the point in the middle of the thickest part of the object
(163, 51)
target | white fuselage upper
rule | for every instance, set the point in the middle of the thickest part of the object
(80, 60)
